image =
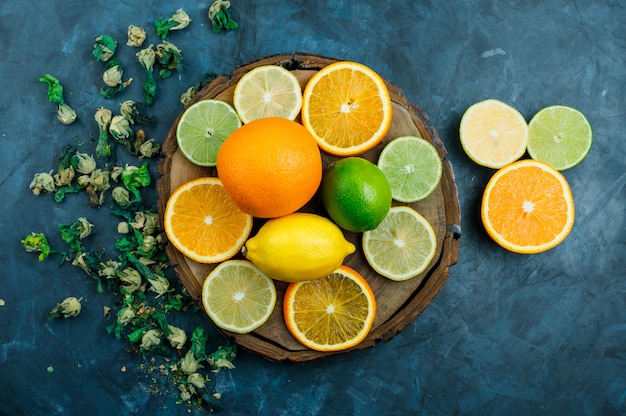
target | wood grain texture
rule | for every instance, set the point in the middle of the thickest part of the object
(398, 303)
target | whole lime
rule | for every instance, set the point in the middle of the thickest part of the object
(356, 194)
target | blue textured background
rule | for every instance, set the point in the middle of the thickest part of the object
(508, 334)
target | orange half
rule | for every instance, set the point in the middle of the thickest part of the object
(204, 223)
(528, 207)
(333, 313)
(347, 108)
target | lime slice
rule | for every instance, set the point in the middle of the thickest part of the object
(238, 297)
(412, 167)
(402, 246)
(493, 134)
(268, 91)
(202, 129)
(559, 136)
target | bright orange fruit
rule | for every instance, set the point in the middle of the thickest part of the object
(347, 108)
(333, 313)
(203, 222)
(270, 167)
(528, 207)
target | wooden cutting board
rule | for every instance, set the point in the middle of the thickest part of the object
(398, 303)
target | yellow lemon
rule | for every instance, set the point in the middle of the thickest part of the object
(298, 247)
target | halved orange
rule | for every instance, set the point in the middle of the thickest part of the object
(347, 108)
(204, 223)
(333, 313)
(528, 207)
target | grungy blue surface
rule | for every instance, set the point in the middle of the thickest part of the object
(508, 334)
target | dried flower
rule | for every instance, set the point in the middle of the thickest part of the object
(109, 269)
(196, 380)
(136, 36)
(120, 129)
(37, 242)
(220, 16)
(64, 176)
(149, 149)
(123, 227)
(112, 77)
(104, 48)
(189, 364)
(177, 337)
(150, 338)
(103, 118)
(125, 315)
(83, 163)
(99, 179)
(68, 308)
(160, 285)
(178, 21)
(81, 261)
(65, 113)
(181, 18)
(151, 223)
(130, 279)
(43, 182)
(147, 58)
(170, 58)
(116, 173)
(148, 244)
(121, 195)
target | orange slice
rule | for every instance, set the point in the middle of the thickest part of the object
(528, 207)
(203, 222)
(333, 313)
(347, 108)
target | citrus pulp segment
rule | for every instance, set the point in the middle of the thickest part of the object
(202, 129)
(412, 166)
(268, 91)
(204, 223)
(333, 313)
(559, 136)
(493, 134)
(347, 108)
(527, 207)
(402, 246)
(238, 297)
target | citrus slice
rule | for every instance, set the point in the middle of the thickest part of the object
(412, 166)
(559, 136)
(202, 129)
(268, 91)
(402, 246)
(204, 223)
(527, 207)
(347, 108)
(238, 297)
(493, 134)
(333, 313)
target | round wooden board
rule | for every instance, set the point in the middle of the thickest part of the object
(398, 303)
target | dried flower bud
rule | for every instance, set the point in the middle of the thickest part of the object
(116, 173)
(109, 269)
(81, 261)
(103, 118)
(84, 227)
(122, 197)
(83, 180)
(130, 279)
(148, 244)
(64, 176)
(68, 308)
(140, 217)
(125, 315)
(181, 18)
(104, 48)
(149, 149)
(196, 380)
(150, 338)
(112, 77)
(43, 182)
(151, 223)
(123, 227)
(129, 110)
(99, 179)
(65, 113)
(177, 337)
(188, 95)
(83, 163)
(188, 364)
(160, 285)
(147, 57)
(120, 128)
(136, 36)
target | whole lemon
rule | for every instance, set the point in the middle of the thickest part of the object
(298, 247)
(356, 194)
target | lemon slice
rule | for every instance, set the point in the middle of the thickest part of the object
(493, 134)
(268, 91)
(202, 129)
(412, 167)
(402, 246)
(238, 297)
(559, 136)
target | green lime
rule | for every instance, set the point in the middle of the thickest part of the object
(356, 194)
(202, 129)
(559, 136)
(412, 167)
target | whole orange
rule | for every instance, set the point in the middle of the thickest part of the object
(270, 167)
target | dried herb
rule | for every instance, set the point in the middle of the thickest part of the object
(104, 48)
(220, 16)
(65, 114)
(178, 21)
(37, 242)
(170, 59)
(68, 308)
(147, 58)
